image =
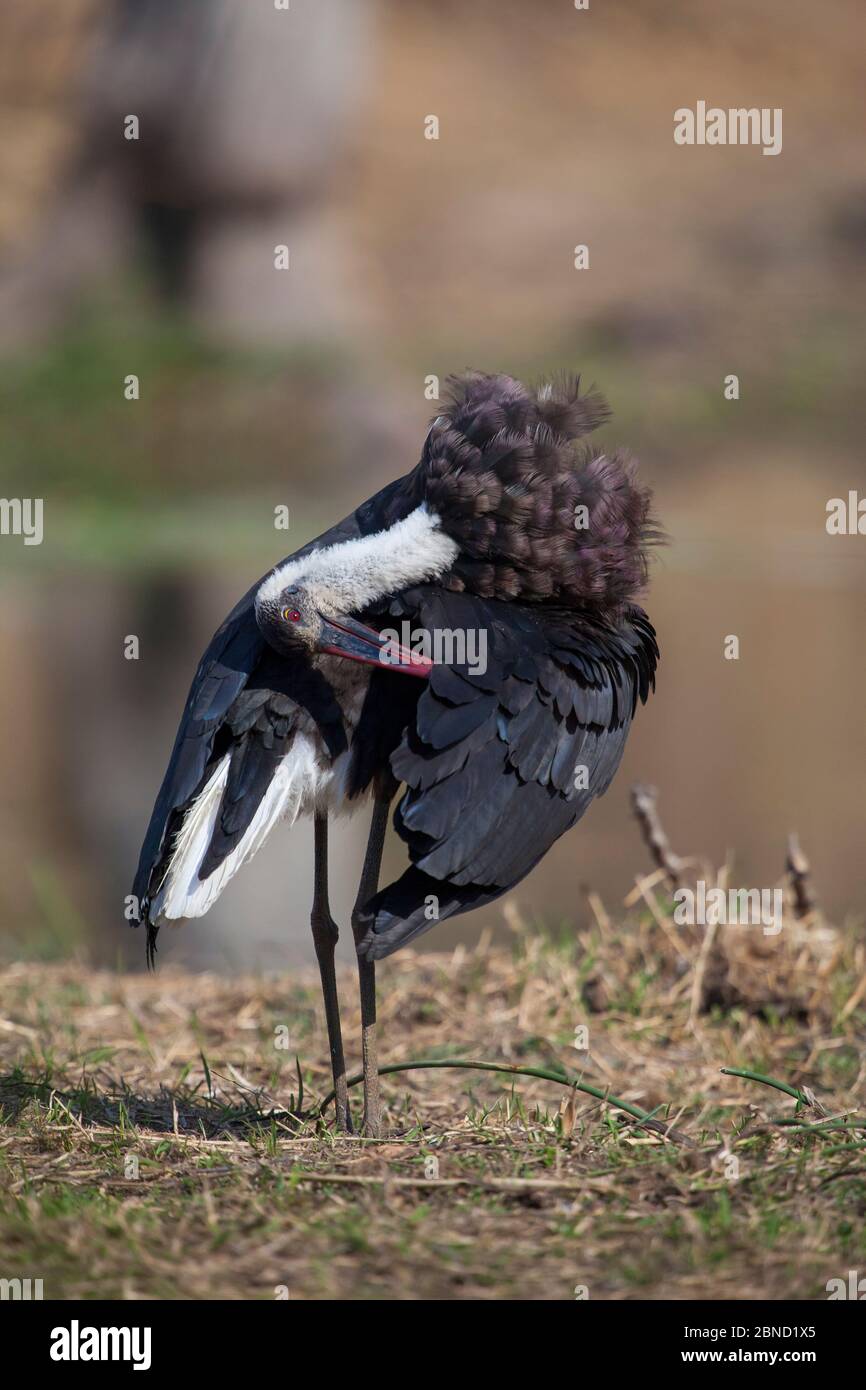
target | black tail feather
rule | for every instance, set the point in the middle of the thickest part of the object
(414, 904)
(150, 950)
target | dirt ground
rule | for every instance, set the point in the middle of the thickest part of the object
(150, 1146)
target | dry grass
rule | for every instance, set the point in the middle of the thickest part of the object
(540, 1189)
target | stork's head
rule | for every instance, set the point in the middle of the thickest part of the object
(309, 603)
(306, 617)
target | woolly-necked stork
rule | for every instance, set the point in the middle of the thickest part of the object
(509, 527)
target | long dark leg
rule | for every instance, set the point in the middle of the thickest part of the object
(325, 935)
(367, 968)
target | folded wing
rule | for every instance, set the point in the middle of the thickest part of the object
(499, 762)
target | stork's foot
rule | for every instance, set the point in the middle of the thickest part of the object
(372, 1126)
(342, 1113)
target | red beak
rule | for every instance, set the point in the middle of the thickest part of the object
(356, 642)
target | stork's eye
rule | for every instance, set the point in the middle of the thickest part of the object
(292, 615)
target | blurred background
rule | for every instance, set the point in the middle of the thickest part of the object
(412, 257)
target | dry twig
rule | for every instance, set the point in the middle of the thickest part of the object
(643, 801)
(800, 878)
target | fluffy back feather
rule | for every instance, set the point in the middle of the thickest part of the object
(539, 515)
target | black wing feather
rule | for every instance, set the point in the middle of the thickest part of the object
(490, 774)
(222, 673)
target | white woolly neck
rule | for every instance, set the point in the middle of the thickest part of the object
(348, 577)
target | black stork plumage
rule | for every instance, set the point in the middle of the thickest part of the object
(510, 529)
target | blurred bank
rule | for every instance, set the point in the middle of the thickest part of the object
(306, 389)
